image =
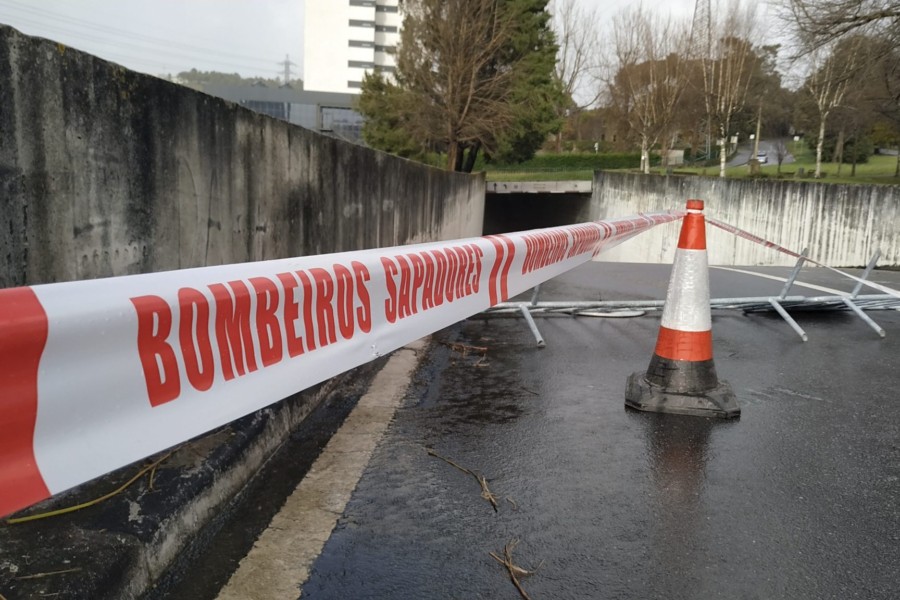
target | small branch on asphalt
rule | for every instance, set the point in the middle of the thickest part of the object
(62, 511)
(47, 574)
(486, 492)
(514, 570)
(464, 351)
(513, 502)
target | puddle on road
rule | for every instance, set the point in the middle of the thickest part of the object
(467, 383)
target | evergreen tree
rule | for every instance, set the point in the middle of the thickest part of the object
(472, 76)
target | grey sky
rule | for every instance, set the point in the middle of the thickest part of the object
(249, 37)
(167, 36)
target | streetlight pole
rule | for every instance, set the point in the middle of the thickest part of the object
(756, 142)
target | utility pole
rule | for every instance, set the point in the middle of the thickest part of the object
(756, 141)
(287, 68)
(701, 38)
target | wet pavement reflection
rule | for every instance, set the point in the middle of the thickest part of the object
(796, 499)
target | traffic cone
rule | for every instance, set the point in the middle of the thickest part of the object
(681, 377)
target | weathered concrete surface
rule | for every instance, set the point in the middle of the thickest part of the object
(842, 225)
(108, 172)
(539, 187)
(279, 562)
(104, 171)
(120, 547)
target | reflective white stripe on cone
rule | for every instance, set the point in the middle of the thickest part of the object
(682, 377)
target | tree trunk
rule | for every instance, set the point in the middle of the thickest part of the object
(839, 151)
(452, 152)
(897, 168)
(819, 146)
(723, 155)
(645, 158)
(471, 157)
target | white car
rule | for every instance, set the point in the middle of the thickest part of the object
(762, 157)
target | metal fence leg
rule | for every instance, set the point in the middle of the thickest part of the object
(790, 320)
(864, 317)
(865, 274)
(533, 326)
(534, 296)
(793, 275)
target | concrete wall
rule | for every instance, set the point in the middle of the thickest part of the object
(104, 171)
(842, 225)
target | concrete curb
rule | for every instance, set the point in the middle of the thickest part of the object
(120, 547)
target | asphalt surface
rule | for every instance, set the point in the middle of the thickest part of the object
(799, 498)
(745, 152)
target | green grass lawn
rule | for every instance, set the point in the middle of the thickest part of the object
(879, 169)
(540, 175)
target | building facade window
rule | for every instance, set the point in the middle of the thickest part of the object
(386, 28)
(359, 23)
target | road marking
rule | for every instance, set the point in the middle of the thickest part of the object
(278, 564)
(811, 286)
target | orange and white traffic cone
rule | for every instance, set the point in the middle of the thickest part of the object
(681, 377)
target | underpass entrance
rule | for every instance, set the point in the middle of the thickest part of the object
(519, 206)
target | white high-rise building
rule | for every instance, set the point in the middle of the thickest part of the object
(345, 38)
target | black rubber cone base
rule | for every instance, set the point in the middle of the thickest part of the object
(717, 402)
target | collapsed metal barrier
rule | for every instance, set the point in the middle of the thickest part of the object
(781, 303)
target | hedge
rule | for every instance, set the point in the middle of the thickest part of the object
(574, 162)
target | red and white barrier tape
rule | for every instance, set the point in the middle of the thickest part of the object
(98, 374)
(753, 238)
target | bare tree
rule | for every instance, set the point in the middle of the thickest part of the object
(831, 74)
(471, 76)
(727, 64)
(781, 152)
(578, 58)
(446, 53)
(819, 23)
(650, 74)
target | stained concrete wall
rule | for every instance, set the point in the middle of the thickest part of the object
(842, 225)
(104, 171)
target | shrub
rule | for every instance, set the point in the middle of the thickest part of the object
(574, 162)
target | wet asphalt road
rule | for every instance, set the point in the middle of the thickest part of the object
(799, 498)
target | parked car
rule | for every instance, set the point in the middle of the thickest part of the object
(762, 157)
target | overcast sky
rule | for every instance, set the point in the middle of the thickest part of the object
(250, 37)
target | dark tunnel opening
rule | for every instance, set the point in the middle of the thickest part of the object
(504, 213)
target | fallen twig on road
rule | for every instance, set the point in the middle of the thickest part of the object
(464, 350)
(514, 570)
(486, 492)
(47, 574)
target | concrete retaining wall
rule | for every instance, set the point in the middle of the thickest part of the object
(842, 225)
(104, 171)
